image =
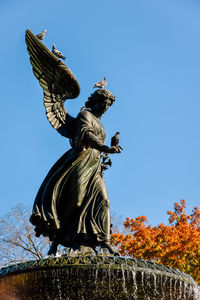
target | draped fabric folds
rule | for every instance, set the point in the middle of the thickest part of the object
(72, 203)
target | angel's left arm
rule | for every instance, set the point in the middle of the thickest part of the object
(91, 140)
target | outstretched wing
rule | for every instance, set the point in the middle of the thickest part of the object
(57, 81)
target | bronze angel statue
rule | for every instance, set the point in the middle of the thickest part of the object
(72, 206)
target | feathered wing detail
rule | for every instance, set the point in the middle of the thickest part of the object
(57, 81)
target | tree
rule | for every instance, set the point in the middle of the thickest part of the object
(176, 245)
(17, 238)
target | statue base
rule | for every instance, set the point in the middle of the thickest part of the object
(79, 275)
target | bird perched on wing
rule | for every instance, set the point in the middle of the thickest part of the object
(101, 84)
(41, 35)
(57, 52)
(115, 140)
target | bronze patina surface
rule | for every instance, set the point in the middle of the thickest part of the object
(72, 206)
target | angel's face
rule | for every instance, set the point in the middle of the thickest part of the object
(102, 106)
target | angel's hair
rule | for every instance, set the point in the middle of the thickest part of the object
(99, 95)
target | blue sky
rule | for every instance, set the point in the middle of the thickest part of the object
(150, 52)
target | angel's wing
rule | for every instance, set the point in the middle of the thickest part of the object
(57, 81)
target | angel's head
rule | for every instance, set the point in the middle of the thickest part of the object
(100, 101)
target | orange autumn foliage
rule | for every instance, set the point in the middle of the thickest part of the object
(176, 245)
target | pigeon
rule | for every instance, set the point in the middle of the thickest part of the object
(57, 52)
(115, 140)
(101, 84)
(41, 35)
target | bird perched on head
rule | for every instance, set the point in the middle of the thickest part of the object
(57, 52)
(41, 35)
(115, 140)
(101, 84)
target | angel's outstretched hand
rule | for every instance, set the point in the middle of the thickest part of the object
(114, 149)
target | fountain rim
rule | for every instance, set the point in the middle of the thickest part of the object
(92, 262)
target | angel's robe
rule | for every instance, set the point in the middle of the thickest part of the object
(72, 203)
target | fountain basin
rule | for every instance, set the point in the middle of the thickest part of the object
(95, 277)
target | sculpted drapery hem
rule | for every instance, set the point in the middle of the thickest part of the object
(72, 202)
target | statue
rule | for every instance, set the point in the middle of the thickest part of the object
(72, 205)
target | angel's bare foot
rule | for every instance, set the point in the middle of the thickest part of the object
(110, 248)
(53, 248)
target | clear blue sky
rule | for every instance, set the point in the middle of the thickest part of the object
(150, 52)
